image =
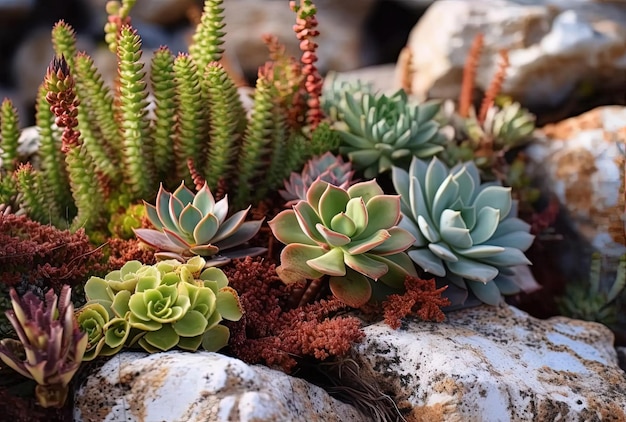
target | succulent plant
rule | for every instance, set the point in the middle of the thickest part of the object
(348, 234)
(164, 305)
(509, 125)
(326, 167)
(50, 346)
(189, 224)
(592, 301)
(380, 131)
(465, 231)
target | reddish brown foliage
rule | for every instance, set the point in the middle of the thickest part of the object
(469, 75)
(32, 251)
(122, 251)
(422, 298)
(269, 332)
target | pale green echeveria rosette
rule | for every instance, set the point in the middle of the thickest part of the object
(465, 231)
(350, 235)
(171, 304)
(188, 224)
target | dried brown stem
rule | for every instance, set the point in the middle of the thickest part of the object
(469, 75)
(495, 87)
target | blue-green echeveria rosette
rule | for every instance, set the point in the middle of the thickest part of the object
(188, 224)
(348, 234)
(465, 231)
(170, 304)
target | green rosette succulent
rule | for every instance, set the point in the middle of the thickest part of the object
(92, 318)
(465, 231)
(327, 167)
(50, 346)
(165, 305)
(350, 235)
(189, 224)
(380, 131)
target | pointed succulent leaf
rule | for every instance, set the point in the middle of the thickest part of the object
(332, 202)
(365, 244)
(399, 240)
(473, 270)
(245, 232)
(496, 197)
(204, 200)
(486, 292)
(428, 261)
(308, 220)
(294, 258)
(231, 225)
(357, 213)
(331, 237)
(163, 209)
(193, 323)
(158, 240)
(204, 230)
(366, 190)
(163, 339)
(366, 265)
(343, 224)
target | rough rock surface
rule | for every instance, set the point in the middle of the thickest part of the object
(556, 47)
(497, 364)
(202, 386)
(581, 161)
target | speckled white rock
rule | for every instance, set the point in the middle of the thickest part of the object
(496, 364)
(553, 46)
(202, 386)
(581, 161)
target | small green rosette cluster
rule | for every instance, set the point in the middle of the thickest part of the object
(465, 231)
(158, 307)
(350, 235)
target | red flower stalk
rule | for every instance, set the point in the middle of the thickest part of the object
(495, 87)
(63, 102)
(469, 75)
(304, 28)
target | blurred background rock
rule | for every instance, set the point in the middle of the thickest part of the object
(354, 34)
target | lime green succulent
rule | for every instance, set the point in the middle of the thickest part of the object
(380, 131)
(465, 231)
(348, 234)
(164, 305)
(189, 224)
(50, 346)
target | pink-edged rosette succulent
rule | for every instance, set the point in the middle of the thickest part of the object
(350, 235)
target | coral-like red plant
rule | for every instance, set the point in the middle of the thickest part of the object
(422, 299)
(269, 332)
(35, 252)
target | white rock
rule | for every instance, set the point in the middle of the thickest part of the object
(553, 45)
(496, 364)
(202, 386)
(581, 161)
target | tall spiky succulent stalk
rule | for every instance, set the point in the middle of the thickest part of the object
(9, 135)
(228, 121)
(192, 113)
(306, 32)
(131, 95)
(63, 104)
(98, 108)
(164, 90)
(30, 186)
(50, 346)
(255, 139)
(55, 186)
(209, 35)
(118, 17)
(64, 42)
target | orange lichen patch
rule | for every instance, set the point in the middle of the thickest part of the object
(435, 413)
(568, 127)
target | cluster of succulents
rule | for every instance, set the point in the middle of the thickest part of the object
(158, 307)
(350, 235)
(188, 225)
(465, 231)
(50, 344)
(380, 131)
(327, 167)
